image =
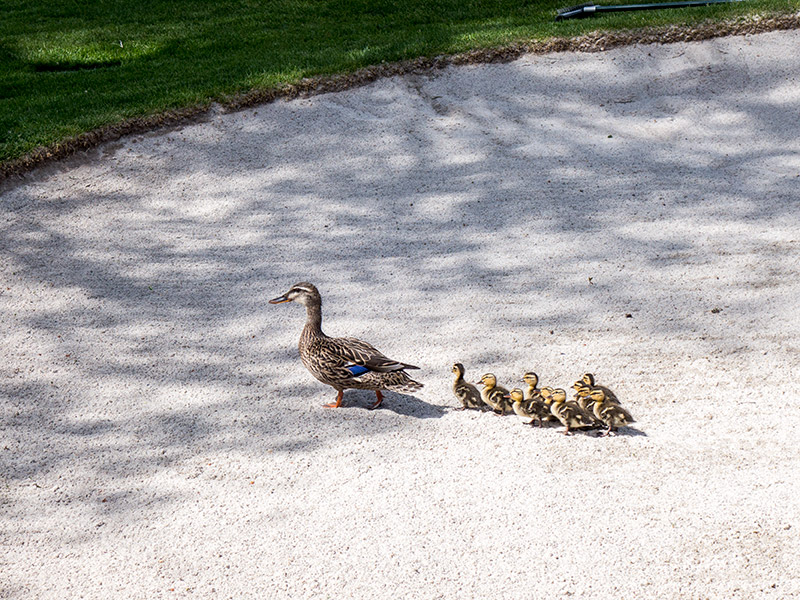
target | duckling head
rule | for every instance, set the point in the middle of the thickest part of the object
(588, 379)
(597, 395)
(559, 395)
(458, 369)
(304, 292)
(531, 378)
(489, 380)
(516, 395)
(582, 389)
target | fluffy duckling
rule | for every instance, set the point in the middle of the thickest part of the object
(547, 402)
(569, 413)
(494, 395)
(584, 400)
(532, 379)
(467, 394)
(612, 415)
(582, 394)
(588, 379)
(522, 407)
(535, 400)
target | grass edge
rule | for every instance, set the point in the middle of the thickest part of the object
(596, 41)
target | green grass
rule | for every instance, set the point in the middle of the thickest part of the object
(71, 66)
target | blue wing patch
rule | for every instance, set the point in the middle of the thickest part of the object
(356, 370)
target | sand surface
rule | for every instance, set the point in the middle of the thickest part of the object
(633, 213)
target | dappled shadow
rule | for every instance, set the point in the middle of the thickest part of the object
(484, 215)
(410, 406)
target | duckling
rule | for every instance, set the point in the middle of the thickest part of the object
(536, 403)
(494, 395)
(582, 397)
(468, 394)
(609, 413)
(522, 407)
(547, 402)
(532, 379)
(588, 379)
(582, 392)
(569, 413)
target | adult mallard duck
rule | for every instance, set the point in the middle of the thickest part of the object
(468, 394)
(344, 363)
(494, 395)
(611, 414)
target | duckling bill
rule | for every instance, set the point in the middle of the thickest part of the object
(344, 363)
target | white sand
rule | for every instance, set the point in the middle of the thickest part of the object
(160, 438)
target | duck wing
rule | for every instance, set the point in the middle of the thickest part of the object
(363, 354)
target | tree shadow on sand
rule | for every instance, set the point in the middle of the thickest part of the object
(401, 404)
(140, 335)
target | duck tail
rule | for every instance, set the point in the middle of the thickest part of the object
(404, 384)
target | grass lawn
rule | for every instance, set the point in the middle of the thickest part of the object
(71, 66)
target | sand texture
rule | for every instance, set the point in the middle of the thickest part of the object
(634, 213)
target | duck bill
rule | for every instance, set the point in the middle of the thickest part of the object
(279, 300)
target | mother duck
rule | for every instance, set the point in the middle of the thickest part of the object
(344, 363)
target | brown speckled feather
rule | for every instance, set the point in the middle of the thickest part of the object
(328, 358)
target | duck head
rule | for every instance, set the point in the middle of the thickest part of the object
(305, 293)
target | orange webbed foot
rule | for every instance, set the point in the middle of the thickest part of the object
(338, 402)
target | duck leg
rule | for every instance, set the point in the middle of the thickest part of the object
(378, 401)
(338, 402)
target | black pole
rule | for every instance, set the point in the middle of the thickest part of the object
(588, 10)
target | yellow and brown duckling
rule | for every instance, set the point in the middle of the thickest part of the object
(532, 379)
(611, 414)
(494, 395)
(582, 392)
(584, 400)
(571, 415)
(522, 407)
(534, 395)
(547, 397)
(589, 380)
(467, 394)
